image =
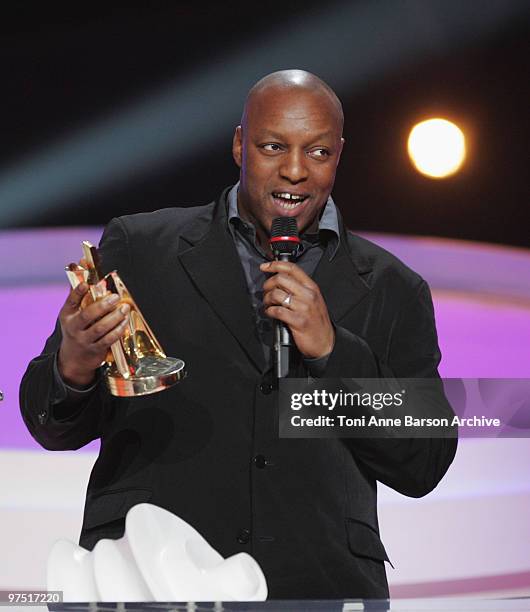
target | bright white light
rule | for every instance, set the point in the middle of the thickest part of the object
(436, 147)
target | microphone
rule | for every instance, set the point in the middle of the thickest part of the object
(284, 242)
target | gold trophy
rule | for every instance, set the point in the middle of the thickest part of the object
(136, 364)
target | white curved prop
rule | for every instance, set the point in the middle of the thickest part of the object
(70, 570)
(116, 573)
(159, 558)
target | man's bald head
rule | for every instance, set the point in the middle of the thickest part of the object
(293, 82)
(287, 147)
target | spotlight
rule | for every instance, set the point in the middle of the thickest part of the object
(436, 147)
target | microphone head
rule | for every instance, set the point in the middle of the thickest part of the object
(284, 235)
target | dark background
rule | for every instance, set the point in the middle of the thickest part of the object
(63, 73)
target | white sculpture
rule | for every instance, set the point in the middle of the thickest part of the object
(159, 558)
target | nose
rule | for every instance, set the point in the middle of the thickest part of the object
(293, 167)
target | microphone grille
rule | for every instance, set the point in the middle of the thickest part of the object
(284, 227)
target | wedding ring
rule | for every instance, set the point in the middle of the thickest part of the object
(287, 300)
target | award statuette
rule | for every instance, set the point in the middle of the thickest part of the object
(136, 364)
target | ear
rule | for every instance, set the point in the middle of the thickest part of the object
(237, 146)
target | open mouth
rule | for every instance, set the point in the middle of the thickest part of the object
(288, 201)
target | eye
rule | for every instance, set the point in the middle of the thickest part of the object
(319, 153)
(271, 147)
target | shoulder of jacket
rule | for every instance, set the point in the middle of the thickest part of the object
(176, 219)
(370, 258)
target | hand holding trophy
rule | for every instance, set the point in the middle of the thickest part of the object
(106, 317)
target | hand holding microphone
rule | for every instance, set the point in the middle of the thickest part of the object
(292, 298)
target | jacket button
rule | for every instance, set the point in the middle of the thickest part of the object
(265, 388)
(243, 536)
(42, 417)
(260, 461)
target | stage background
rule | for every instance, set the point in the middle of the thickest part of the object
(120, 110)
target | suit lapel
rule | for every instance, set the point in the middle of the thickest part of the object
(215, 268)
(340, 280)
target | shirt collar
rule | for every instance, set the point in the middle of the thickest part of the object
(329, 220)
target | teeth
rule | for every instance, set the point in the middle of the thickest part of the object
(290, 196)
(295, 199)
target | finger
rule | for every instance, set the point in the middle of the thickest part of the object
(283, 314)
(278, 297)
(289, 284)
(290, 268)
(87, 316)
(106, 324)
(112, 336)
(74, 299)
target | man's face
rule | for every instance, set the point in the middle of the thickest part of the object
(288, 150)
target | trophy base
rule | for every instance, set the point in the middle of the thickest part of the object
(152, 375)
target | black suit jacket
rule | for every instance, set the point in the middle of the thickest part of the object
(208, 449)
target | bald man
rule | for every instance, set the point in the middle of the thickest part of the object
(208, 449)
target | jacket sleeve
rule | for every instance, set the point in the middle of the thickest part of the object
(412, 466)
(79, 418)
